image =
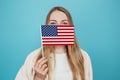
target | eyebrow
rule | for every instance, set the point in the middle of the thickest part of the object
(65, 20)
(62, 20)
(53, 20)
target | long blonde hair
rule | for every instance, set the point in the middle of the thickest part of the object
(74, 54)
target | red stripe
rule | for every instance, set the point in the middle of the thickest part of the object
(57, 38)
(65, 29)
(56, 44)
(57, 41)
(66, 25)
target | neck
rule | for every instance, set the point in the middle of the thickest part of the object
(60, 49)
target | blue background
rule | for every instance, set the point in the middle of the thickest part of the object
(97, 24)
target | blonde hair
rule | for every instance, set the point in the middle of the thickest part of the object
(74, 54)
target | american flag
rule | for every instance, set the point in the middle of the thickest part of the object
(57, 35)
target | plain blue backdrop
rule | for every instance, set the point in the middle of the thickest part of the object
(97, 25)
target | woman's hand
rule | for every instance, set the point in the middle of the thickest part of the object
(41, 69)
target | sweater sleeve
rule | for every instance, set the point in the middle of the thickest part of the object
(26, 72)
(87, 66)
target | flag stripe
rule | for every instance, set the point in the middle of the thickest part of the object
(55, 38)
(65, 31)
(59, 40)
(55, 41)
(65, 25)
(65, 34)
(65, 28)
(58, 43)
(59, 37)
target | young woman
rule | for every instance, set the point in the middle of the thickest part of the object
(61, 62)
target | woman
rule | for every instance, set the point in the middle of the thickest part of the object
(61, 62)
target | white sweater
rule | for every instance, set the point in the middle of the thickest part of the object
(62, 69)
(61, 72)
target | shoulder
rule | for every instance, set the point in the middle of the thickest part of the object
(31, 58)
(33, 55)
(85, 55)
(26, 71)
(87, 59)
(87, 66)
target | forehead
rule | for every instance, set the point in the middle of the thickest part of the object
(58, 15)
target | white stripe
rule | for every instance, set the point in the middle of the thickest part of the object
(65, 30)
(65, 33)
(65, 27)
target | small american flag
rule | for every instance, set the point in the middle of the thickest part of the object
(57, 35)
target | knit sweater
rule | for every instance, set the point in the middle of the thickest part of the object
(61, 71)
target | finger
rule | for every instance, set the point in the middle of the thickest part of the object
(45, 71)
(44, 67)
(41, 69)
(42, 63)
(36, 69)
(36, 66)
(39, 61)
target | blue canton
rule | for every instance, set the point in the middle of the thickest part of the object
(49, 30)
